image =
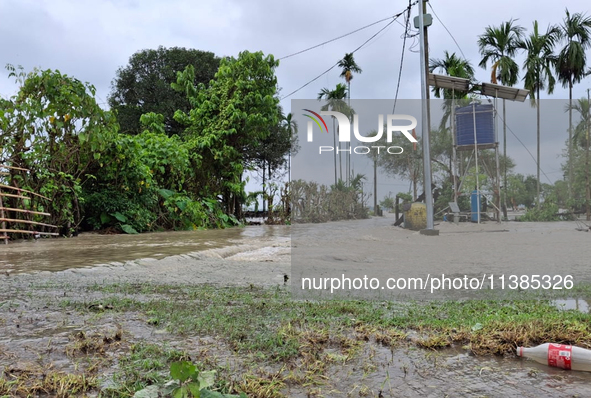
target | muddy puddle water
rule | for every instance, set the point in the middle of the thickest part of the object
(572, 304)
(414, 372)
(92, 249)
(42, 315)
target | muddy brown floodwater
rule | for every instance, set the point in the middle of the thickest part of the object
(33, 323)
(89, 249)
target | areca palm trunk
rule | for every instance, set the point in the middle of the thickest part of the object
(570, 140)
(505, 160)
(334, 140)
(340, 156)
(348, 144)
(587, 171)
(538, 120)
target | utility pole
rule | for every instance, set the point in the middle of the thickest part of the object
(426, 41)
(375, 185)
(505, 162)
(588, 196)
(425, 124)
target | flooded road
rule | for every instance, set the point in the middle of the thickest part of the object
(51, 301)
(90, 249)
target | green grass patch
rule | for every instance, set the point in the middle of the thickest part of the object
(254, 319)
(144, 365)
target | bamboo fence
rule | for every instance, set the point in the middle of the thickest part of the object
(20, 194)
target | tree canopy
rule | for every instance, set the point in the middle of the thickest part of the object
(228, 119)
(144, 85)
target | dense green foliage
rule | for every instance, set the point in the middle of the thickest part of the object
(96, 176)
(54, 128)
(144, 85)
(228, 121)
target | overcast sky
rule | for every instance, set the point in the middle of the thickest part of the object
(91, 39)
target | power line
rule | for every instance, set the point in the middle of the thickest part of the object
(332, 67)
(402, 57)
(336, 38)
(442, 24)
(311, 81)
(530, 154)
(354, 51)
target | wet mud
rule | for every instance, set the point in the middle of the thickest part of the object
(52, 317)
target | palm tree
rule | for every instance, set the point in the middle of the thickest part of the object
(499, 45)
(348, 67)
(451, 65)
(539, 62)
(576, 32)
(335, 102)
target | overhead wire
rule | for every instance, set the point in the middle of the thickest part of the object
(402, 57)
(354, 51)
(336, 38)
(522, 144)
(445, 27)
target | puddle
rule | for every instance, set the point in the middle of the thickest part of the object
(39, 329)
(572, 304)
(409, 372)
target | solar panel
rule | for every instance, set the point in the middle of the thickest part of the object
(454, 207)
(498, 91)
(449, 82)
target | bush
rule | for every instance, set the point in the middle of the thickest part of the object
(547, 212)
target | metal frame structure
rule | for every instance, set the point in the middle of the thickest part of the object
(489, 90)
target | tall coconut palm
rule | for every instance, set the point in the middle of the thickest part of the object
(498, 45)
(348, 67)
(571, 67)
(539, 63)
(335, 102)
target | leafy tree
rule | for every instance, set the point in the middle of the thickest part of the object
(581, 136)
(571, 65)
(522, 190)
(499, 46)
(270, 153)
(539, 63)
(408, 165)
(136, 183)
(236, 112)
(387, 203)
(291, 127)
(54, 128)
(144, 85)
